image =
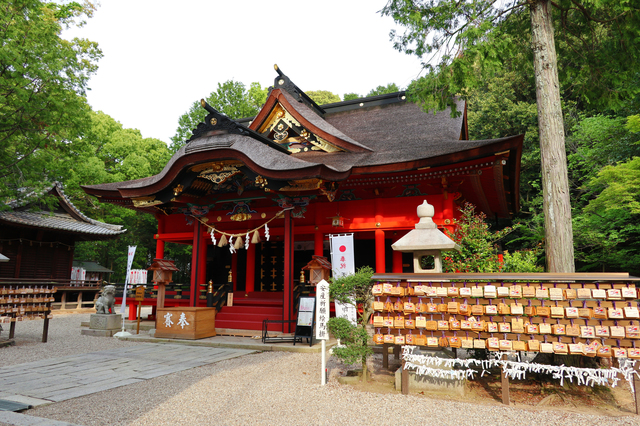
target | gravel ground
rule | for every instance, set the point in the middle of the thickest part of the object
(64, 339)
(270, 388)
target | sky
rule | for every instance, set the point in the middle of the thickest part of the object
(160, 56)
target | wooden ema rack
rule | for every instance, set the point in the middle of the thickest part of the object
(584, 318)
(24, 302)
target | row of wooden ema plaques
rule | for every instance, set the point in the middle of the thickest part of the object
(564, 318)
(26, 302)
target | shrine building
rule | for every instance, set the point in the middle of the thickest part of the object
(297, 172)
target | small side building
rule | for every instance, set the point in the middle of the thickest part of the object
(39, 242)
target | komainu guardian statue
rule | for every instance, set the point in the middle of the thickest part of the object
(104, 304)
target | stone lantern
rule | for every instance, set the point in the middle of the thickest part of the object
(163, 270)
(425, 240)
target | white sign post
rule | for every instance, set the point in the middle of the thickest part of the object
(322, 316)
(123, 306)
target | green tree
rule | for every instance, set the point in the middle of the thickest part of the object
(381, 90)
(107, 152)
(351, 96)
(355, 290)
(479, 251)
(608, 231)
(43, 78)
(633, 123)
(230, 98)
(475, 38)
(323, 97)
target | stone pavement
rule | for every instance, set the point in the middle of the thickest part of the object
(59, 379)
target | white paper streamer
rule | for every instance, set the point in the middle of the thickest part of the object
(266, 231)
(231, 248)
(213, 238)
(428, 366)
(247, 242)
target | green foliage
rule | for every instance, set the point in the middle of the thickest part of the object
(461, 43)
(230, 98)
(352, 338)
(595, 142)
(608, 232)
(633, 123)
(322, 97)
(382, 90)
(478, 248)
(110, 153)
(351, 96)
(43, 79)
(353, 289)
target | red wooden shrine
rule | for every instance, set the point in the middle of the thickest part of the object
(308, 171)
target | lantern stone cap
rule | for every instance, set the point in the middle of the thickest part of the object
(426, 235)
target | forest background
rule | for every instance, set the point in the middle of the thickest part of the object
(49, 133)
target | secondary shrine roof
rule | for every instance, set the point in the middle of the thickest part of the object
(64, 217)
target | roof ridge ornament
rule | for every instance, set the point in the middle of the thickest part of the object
(219, 123)
(284, 83)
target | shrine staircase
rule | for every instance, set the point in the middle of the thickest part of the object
(248, 312)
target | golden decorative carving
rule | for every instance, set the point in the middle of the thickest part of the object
(302, 185)
(217, 166)
(214, 121)
(240, 217)
(145, 201)
(177, 190)
(261, 181)
(219, 178)
(218, 172)
(280, 114)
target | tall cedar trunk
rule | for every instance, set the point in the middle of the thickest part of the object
(555, 182)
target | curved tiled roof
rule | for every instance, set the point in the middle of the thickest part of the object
(67, 218)
(61, 222)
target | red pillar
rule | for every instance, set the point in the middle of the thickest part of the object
(379, 239)
(447, 211)
(195, 262)
(318, 243)
(160, 243)
(234, 270)
(397, 261)
(202, 269)
(251, 269)
(287, 311)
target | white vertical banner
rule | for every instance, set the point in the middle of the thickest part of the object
(343, 263)
(130, 254)
(322, 310)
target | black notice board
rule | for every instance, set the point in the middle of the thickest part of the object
(306, 320)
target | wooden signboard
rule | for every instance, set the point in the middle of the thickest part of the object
(186, 322)
(139, 293)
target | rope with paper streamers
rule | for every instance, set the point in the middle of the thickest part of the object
(238, 243)
(426, 365)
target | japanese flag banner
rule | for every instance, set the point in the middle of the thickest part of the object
(130, 254)
(342, 263)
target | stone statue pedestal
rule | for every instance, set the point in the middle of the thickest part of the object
(103, 325)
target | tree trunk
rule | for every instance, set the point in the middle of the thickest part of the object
(555, 182)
